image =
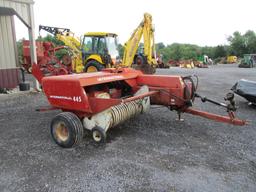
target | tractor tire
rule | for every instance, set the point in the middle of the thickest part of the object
(99, 135)
(139, 60)
(67, 130)
(145, 68)
(93, 66)
(140, 63)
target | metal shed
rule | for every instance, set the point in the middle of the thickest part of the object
(9, 66)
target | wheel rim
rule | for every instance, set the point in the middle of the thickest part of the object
(91, 69)
(62, 132)
(139, 61)
(30, 69)
(96, 136)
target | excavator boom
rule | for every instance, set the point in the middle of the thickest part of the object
(146, 30)
(149, 39)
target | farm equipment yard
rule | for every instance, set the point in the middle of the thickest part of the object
(150, 152)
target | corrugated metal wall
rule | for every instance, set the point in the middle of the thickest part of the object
(9, 71)
(9, 78)
(7, 43)
(20, 6)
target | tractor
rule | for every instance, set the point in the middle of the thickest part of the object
(249, 61)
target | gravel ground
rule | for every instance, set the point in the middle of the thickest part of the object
(151, 152)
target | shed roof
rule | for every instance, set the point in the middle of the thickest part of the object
(20, 8)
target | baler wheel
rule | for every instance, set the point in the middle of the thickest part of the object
(67, 129)
(99, 135)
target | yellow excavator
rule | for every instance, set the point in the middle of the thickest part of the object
(95, 50)
(145, 60)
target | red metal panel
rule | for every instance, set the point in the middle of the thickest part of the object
(161, 81)
(65, 93)
(39, 48)
(9, 78)
(87, 79)
(171, 89)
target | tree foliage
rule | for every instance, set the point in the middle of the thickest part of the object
(242, 43)
(177, 51)
(120, 49)
(219, 51)
(49, 38)
(20, 50)
(239, 44)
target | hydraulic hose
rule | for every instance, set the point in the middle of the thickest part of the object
(189, 94)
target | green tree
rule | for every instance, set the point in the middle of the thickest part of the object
(250, 41)
(59, 53)
(219, 51)
(159, 46)
(209, 51)
(242, 44)
(20, 50)
(50, 38)
(175, 51)
(120, 49)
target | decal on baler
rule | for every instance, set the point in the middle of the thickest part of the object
(110, 78)
(74, 98)
(77, 99)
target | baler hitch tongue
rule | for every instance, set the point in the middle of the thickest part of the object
(231, 106)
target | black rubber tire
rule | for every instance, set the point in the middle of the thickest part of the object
(101, 135)
(139, 60)
(95, 64)
(74, 128)
(24, 86)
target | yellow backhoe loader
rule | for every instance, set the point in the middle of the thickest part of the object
(92, 52)
(99, 50)
(145, 60)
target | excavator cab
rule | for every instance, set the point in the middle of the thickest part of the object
(99, 50)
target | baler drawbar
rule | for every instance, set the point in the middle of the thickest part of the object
(101, 100)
